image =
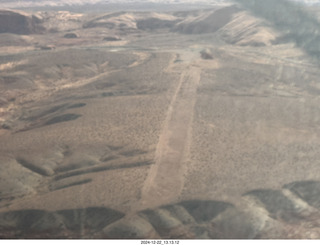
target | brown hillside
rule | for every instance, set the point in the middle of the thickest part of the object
(207, 23)
(19, 23)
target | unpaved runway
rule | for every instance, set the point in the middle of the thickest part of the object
(165, 179)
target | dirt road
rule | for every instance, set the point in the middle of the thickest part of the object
(165, 179)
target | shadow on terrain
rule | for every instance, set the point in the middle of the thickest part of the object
(81, 182)
(276, 203)
(190, 219)
(309, 191)
(101, 168)
(63, 118)
(33, 223)
(32, 167)
(203, 211)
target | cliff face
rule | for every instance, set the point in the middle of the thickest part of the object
(18, 23)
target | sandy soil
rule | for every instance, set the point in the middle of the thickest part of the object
(146, 138)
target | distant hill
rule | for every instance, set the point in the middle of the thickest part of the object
(19, 23)
(56, 3)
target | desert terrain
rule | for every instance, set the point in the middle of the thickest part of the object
(193, 121)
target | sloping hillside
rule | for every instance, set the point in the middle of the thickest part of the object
(19, 23)
(246, 30)
(207, 22)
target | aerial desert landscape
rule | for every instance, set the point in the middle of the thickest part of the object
(149, 119)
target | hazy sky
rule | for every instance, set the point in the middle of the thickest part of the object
(26, 3)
